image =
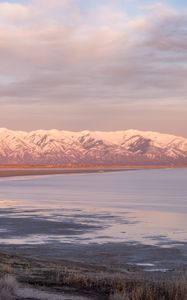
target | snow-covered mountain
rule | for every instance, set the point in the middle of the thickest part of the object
(54, 147)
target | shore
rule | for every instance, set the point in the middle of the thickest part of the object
(55, 171)
(12, 171)
(29, 278)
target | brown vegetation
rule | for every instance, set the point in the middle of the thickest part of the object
(165, 290)
(8, 285)
(88, 280)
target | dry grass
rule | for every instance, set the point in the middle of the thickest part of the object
(122, 287)
(5, 268)
(99, 282)
(164, 290)
(8, 285)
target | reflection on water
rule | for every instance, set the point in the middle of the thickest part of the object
(147, 206)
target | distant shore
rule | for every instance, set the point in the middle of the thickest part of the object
(8, 172)
(26, 170)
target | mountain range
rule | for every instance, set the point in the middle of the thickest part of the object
(55, 147)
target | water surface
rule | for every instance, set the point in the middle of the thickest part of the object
(139, 206)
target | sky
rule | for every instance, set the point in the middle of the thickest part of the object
(94, 64)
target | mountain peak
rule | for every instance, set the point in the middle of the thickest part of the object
(56, 147)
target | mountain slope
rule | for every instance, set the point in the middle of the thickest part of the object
(53, 147)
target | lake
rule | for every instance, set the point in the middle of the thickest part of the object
(136, 206)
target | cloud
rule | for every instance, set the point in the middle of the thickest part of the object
(58, 52)
(13, 12)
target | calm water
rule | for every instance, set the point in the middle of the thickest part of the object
(147, 206)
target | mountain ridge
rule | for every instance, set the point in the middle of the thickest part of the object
(59, 147)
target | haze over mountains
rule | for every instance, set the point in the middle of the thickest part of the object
(54, 147)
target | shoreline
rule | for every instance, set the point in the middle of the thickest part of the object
(35, 171)
(64, 278)
(75, 167)
(14, 171)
